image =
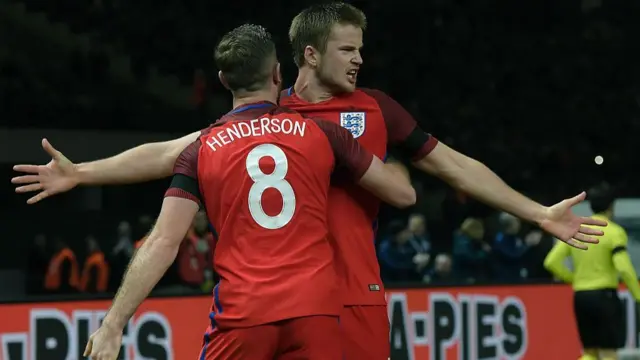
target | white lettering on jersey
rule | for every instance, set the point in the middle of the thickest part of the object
(255, 127)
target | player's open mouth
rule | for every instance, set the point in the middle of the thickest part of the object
(352, 75)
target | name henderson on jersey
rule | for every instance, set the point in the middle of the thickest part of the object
(255, 127)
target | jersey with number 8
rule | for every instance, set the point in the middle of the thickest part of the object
(275, 180)
(263, 176)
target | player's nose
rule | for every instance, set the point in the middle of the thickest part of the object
(357, 60)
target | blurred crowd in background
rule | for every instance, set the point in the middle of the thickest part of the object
(534, 89)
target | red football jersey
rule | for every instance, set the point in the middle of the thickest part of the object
(376, 121)
(263, 176)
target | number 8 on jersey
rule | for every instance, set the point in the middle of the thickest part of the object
(275, 180)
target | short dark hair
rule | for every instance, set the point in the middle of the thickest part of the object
(601, 198)
(312, 26)
(245, 56)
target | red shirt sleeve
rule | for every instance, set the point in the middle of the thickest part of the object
(185, 174)
(402, 128)
(346, 150)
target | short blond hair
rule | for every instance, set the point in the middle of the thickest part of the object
(312, 26)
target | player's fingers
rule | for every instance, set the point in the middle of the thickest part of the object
(591, 221)
(87, 349)
(585, 238)
(41, 196)
(576, 244)
(25, 179)
(46, 145)
(590, 231)
(27, 168)
(29, 188)
(577, 199)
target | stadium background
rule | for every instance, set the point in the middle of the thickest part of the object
(535, 89)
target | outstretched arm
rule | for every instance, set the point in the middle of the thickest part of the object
(146, 162)
(143, 163)
(474, 178)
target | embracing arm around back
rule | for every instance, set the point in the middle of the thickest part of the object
(389, 182)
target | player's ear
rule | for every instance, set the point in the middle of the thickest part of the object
(223, 80)
(277, 75)
(311, 55)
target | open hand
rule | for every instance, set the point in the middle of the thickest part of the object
(58, 176)
(574, 230)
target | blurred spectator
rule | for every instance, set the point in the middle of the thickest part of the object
(508, 249)
(455, 208)
(37, 263)
(399, 260)
(420, 241)
(120, 254)
(95, 272)
(62, 274)
(441, 273)
(196, 254)
(470, 251)
(145, 225)
(538, 246)
(418, 228)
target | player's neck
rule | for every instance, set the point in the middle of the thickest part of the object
(254, 97)
(309, 88)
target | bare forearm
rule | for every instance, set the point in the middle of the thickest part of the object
(148, 266)
(477, 180)
(143, 163)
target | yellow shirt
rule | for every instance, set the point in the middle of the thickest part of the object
(600, 266)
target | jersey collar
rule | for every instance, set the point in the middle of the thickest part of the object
(247, 111)
(251, 106)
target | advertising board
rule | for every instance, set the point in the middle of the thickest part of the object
(466, 323)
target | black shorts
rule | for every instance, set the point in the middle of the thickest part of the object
(600, 318)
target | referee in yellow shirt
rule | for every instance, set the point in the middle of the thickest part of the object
(598, 310)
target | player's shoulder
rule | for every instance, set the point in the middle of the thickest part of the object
(374, 94)
(206, 131)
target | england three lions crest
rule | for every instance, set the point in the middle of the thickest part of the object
(355, 122)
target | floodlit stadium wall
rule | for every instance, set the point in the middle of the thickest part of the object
(529, 322)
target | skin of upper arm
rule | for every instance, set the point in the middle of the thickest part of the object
(173, 222)
(173, 148)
